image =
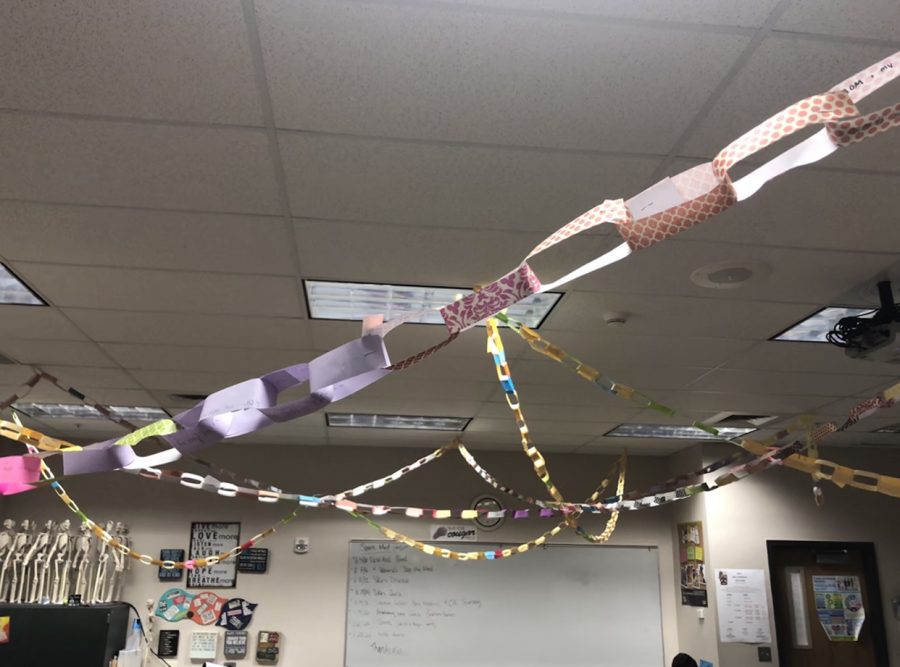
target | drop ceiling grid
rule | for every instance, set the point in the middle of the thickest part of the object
(250, 196)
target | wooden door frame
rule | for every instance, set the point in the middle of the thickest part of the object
(873, 592)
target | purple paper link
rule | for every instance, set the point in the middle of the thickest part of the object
(546, 512)
(255, 393)
(346, 363)
(520, 514)
(299, 408)
(99, 457)
(288, 377)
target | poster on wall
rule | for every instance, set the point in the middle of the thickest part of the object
(210, 539)
(743, 609)
(839, 607)
(174, 555)
(693, 567)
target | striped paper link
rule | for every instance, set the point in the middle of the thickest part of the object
(17, 432)
(394, 476)
(99, 407)
(23, 391)
(409, 362)
(613, 519)
(440, 552)
(512, 398)
(490, 479)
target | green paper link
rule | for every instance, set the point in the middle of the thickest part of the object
(156, 429)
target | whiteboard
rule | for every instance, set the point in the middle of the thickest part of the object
(557, 605)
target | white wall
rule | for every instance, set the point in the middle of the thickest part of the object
(778, 505)
(304, 596)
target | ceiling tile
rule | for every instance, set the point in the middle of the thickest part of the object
(434, 73)
(106, 236)
(636, 446)
(677, 316)
(693, 403)
(191, 329)
(780, 355)
(784, 70)
(782, 274)
(385, 253)
(599, 411)
(608, 347)
(164, 59)
(55, 352)
(77, 377)
(188, 382)
(165, 291)
(202, 358)
(126, 164)
(36, 323)
(443, 185)
(774, 383)
(873, 19)
(702, 12)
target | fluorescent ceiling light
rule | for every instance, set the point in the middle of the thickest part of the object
(81, 411)
(13, 290)
(814, 328)
(893, 428)
(673, 432)
(353, 301)
(352, 420)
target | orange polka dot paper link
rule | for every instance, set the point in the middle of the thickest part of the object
(855, 130)
(611, 211)
(811, 111)
(705, 196)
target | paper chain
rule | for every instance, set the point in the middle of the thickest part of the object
(669, 207)
(764, 460)
(660, 212)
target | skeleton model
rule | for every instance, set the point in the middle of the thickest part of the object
(34, 564)
(60, 553)
(120, 564)
(96, 593)
(49, 566)
(16, 559)
(81, 561)
(7, 539)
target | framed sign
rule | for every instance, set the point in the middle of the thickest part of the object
(168, 643)
(176, 555)
(210, 538)
(253, 560)
(235, 643)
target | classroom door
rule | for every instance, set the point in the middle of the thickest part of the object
(824, 594)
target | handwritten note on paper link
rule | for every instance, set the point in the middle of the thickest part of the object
(743, 610)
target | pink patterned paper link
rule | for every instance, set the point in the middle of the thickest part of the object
(491, 299)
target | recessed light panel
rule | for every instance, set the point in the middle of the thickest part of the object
(14, 291)
(81, 411)
(814, 328)
(353, 301)
(407, 422)
(674, 432)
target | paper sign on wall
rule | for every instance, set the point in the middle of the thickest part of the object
(743, 609)
(839, 606)
(235, 643)
(4, 629)
(446, 533)
(693, 567)
(204, 644)
(210, 539)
